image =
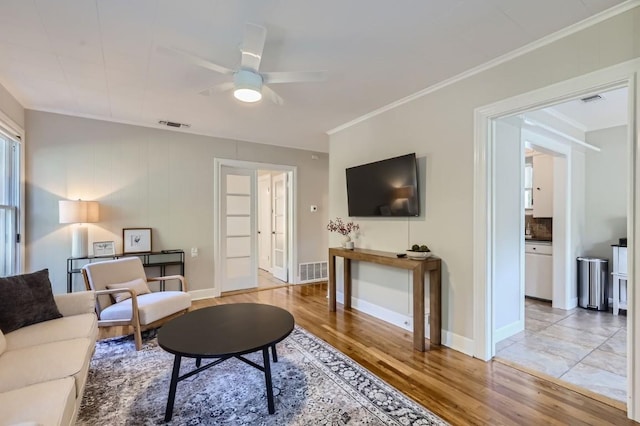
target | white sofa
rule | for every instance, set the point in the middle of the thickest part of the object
(44, 366)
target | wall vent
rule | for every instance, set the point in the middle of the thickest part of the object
(313, 271)
(591, 98)
(173, 124)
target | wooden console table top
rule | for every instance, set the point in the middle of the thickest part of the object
(418, 266)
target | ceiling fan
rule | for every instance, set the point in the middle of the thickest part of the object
(249, 85)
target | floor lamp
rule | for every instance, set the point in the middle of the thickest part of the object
(78, 212)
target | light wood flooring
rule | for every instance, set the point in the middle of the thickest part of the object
(458, 388)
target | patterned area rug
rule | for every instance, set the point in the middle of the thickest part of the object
(314, 384)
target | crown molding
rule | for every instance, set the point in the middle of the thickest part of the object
(160, 127)
(564, 32)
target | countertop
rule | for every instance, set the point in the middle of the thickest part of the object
(536, 241)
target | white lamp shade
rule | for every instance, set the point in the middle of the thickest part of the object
(78, 211)
(248, 86)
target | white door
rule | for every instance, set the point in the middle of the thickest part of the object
(264, 222)
(279, 258)
(238, 229)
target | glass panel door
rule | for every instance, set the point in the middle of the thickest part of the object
(279, 231)
(238, 229)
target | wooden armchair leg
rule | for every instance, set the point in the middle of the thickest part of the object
(137, 335)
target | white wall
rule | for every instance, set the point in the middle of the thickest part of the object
(606, 177)
(439, 126)
(508, 270)
(146, 177)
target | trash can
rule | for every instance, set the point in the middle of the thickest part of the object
(593, 283)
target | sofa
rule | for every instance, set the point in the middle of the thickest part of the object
(44, 366)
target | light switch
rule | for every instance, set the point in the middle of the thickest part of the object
(194, 252)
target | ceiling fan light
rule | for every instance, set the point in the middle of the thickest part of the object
(248, 86)
(247, 95)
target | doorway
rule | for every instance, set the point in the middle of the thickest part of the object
(583, 348)
(272, 228)
(246, 240)
(485, 207)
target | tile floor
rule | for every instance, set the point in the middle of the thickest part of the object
(583, 347)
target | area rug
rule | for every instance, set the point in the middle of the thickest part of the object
(313, 383)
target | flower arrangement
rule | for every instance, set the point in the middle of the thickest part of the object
(341, 227)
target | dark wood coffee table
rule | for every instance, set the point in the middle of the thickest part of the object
(223, 332)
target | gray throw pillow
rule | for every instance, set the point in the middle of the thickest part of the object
(26, 299)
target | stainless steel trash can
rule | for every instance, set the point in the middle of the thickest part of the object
(593, 283)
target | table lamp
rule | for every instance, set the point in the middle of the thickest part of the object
(78, 212)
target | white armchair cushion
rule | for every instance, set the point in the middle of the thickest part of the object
(151, 307)
(138, 285)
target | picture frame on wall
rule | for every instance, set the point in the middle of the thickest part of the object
(104, 248)
(136, 240)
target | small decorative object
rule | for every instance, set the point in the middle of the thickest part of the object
(104, 248)
(419, 252)
(136, 240)
(343, 229)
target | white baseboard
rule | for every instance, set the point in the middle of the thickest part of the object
(449, 339)
(202, 294)
(392, 317)
(508, 331)
(457, 342)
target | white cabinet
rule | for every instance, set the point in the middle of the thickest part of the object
(538, 271)
(542, 185)
(619, 278)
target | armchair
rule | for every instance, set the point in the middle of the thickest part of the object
(123, 297)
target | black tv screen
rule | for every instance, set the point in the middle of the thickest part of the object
(384, 188)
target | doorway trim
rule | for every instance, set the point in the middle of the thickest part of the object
(621, 75)
(218, 163)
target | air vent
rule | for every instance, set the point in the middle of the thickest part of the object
(313, 271)
(173, 124)
(593, 98)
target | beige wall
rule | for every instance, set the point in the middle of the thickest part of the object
(606, 187)
(147, 177)
(439, 126)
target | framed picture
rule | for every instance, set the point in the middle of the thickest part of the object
(104, 248)
(136, 240)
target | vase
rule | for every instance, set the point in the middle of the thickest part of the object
(346, 242)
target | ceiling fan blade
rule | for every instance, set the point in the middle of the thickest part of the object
(223, 87)
(252, 46)
(293, 77)
(200, 61)
(275, 98)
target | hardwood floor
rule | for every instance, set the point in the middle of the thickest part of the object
(458, 388)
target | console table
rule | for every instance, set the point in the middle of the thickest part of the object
(160, 259)
(418, 267)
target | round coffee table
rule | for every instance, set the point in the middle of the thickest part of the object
(223, 332)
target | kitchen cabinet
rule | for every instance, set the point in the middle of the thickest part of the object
(538, 270)
(542, 185)
(619, 278)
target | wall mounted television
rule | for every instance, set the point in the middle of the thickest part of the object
(384, 188)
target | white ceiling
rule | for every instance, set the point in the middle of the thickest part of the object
(610, 111)
(98, 58)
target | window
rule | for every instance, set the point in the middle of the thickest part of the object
(528, 184)
(9, 204)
